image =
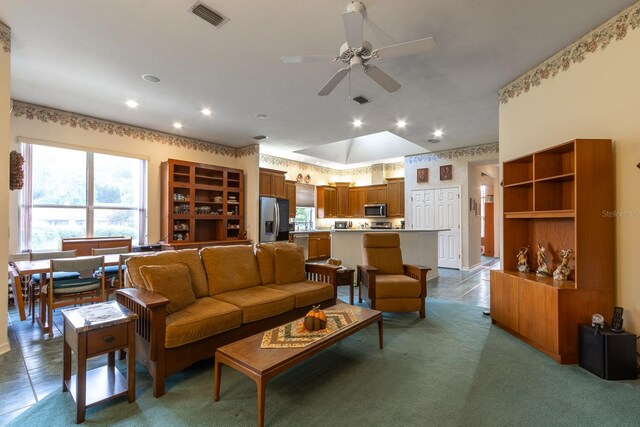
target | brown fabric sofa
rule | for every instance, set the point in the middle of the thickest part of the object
(233, 292)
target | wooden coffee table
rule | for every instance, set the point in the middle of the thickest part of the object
(262, 364)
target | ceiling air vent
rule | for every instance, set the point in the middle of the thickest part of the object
(361, 99)
(212, 17)
(434, 140)
(259, 137)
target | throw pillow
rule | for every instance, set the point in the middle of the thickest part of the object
(171, 280)
(290, 265)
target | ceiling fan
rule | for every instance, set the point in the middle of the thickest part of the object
(357, 52)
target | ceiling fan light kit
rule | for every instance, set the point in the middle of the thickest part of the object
(357, 52)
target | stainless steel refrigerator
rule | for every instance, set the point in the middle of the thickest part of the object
(274, 219)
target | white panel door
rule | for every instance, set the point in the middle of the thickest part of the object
(418, 210)
(447, 215)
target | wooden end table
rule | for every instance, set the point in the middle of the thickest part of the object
(344, 277)
(262, 364)
(93, 338)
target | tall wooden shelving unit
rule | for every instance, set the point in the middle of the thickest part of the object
(201, 204)
(557, 197)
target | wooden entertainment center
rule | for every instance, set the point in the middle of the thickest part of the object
(558, 197)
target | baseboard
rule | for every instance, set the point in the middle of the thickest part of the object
(5, 347)
(472, 267)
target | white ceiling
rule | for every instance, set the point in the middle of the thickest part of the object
(88, 57)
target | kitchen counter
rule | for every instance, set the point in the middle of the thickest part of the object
(418, 247)
(309, 231)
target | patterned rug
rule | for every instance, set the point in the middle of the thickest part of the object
(294, 334)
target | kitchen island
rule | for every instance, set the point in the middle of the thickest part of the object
(418, 247)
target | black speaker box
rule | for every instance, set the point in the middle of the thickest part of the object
(607, 354)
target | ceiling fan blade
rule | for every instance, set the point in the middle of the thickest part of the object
(382, 78)
(404, 49)
(331, 84)
(306, 58)
(353, 27)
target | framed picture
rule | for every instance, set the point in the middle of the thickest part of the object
(423, 175)
(446, 172)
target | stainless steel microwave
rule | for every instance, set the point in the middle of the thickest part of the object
(377, 210)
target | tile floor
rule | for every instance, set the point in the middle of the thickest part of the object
(33, 367)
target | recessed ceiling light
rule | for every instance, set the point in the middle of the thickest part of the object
(177, 125)
(206, 111)
(150, 78)
(357, 123)
(401, 123)
(261, 116)
(438, 133)
(131, 103)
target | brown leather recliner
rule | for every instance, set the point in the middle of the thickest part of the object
(384, 282)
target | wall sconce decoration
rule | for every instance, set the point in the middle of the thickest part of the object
(423, 175)
(16, 172)
(446, 172)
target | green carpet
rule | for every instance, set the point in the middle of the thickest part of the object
(451, 369)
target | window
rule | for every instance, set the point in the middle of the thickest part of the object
(73, 193)
(304, 218)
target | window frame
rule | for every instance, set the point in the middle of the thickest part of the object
(26, 206)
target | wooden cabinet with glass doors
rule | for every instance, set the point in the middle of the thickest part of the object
(201, 203)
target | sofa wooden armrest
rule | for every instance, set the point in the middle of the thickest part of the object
(150, 328)
(325, 273)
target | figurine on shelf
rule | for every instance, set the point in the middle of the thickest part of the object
(563, 271)
(523, 267)
(543, 267)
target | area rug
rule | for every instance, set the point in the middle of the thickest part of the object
(451, 369)
(295, 335)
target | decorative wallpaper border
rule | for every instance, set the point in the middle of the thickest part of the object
(476, 150)
(600, 37)
(266, 160)
(65, 118)
(5, 37)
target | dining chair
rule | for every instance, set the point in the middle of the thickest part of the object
(112, 272)
(37, 280)
(87, 288)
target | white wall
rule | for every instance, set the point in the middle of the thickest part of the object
(460, 159)
(5, 106)
(596, 98)
(474, 241)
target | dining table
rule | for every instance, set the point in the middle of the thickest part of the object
(22, 270)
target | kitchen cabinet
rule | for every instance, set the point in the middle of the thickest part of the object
(272, 183)
(376, 194)
(357, 199)
(290, 190)
(395, 197)
(342, 199)
(319, 245)
(326, 201)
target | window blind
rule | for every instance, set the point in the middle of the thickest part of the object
(305, 195)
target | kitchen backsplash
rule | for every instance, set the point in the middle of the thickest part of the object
(357, 222)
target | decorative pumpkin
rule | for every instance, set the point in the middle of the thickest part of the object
(315, 319)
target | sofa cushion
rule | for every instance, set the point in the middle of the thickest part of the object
(230, 268)
(307, 292)
(190, 257)
(259, 302)
(290, 265)
(396, 286)
(172, 281)
(202, 319)
(266, 252)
